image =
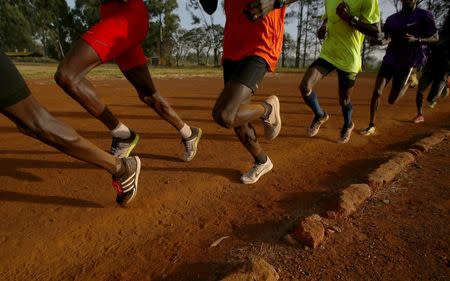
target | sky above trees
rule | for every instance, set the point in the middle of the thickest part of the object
(219, 18)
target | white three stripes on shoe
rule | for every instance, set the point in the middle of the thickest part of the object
(128, 183)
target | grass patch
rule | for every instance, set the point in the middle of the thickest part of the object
(46, 71)
(111, 71)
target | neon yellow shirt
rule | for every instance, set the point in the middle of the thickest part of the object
(343, 43)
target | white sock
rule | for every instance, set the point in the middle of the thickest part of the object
(121, 131)
(185, 131)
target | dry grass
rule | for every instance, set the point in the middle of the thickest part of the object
(46, 71)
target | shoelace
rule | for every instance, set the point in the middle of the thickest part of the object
(255, 169)
(316, 123)
(117, 145)
(189, 144)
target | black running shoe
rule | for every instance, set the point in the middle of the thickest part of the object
(126, 185)
(346, 133)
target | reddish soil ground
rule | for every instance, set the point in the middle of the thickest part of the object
(59, 220)
(401, 233)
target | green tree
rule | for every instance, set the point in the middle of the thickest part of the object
(162, 27)
(85, 14)
(197, 40)
(51, 22)
(15, 31)
(214, 32)
(215, 37)
(288, 48)
(181, 47)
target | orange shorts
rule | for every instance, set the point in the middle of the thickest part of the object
(120, 32)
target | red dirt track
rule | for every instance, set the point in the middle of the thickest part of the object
(58, 215)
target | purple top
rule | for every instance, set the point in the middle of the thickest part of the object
(399, 53)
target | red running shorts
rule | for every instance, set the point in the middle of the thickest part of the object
(120, 32)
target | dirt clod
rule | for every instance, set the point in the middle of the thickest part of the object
(255, 268)
(310, 231)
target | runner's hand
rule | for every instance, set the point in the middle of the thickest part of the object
(321, 32)
(259, 8)
(410, 38)
(343, 11)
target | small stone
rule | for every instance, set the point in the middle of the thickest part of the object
(255, 268)
(349, 200)
(310, 231)
(385, 201)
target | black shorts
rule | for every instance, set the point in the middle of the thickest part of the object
(346, 79)
(12, 86)
(249, 71)
(399, 75)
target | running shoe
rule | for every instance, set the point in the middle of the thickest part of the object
(419, 119)
(126, 185)
(191, 144)
(256, 172)
(316, 123)
(431, 104)
(272, 125)
(346, 134)
(122, 147)
(445, 92)
(368, 131)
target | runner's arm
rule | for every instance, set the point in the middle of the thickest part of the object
(210, 6)
(259, 8)
(370, 29)
(412, 39)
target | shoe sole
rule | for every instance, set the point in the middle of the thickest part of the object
(276, 108)
(138, 171)
(323, 122)
(342, 141)
(132, 146)
(259, 176)
(200, 132)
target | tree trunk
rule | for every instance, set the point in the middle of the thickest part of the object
(305, 43)
(160, 38)
(216, 57)
(299, 34)
(283, 53)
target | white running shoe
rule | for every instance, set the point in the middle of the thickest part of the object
(191, 144)
(122, 147)
(368, 131)
(272, 125)
(419, 119)
(431, 104)
(256, 172)
(316, 123)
